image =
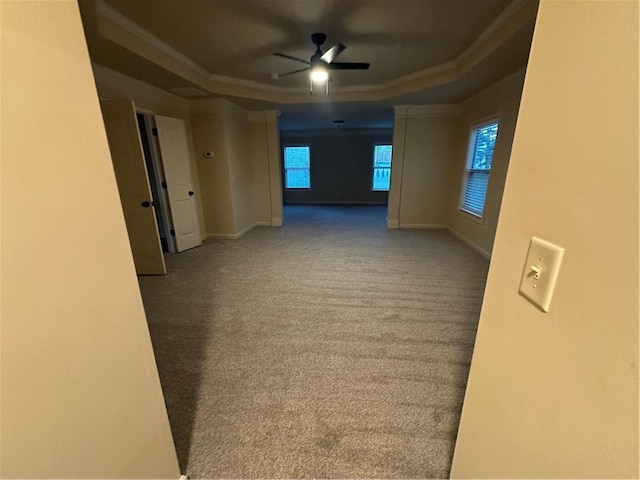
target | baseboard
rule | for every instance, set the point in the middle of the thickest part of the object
(276, 222)
(222, 235)
(203, 237)
(242, 232)
(464, 239)
(392, 223)
(425, 226)
(337, 203)
(232, 236)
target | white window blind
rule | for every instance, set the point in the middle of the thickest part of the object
(381, 177)
(479, 160)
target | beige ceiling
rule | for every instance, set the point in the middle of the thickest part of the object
(421, 51)
(236, 38)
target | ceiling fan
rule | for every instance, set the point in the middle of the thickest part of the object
(320, 63)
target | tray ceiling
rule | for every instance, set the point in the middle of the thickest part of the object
(224, 47)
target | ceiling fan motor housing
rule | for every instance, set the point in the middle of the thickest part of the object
(318, 40)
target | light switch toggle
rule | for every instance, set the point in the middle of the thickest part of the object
(536, 271)
(540, 272)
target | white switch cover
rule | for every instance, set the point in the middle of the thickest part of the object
(541, 272)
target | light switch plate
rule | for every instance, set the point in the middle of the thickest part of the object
(541, 272)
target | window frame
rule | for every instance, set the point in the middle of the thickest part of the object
(373, 166)
(284, 165)
(471, 146)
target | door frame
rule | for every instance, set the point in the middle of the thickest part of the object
(158, 173)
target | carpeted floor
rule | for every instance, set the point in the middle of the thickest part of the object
(329, 348)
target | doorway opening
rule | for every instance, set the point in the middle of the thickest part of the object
(157, 181)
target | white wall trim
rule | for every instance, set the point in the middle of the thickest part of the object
(475, 247)
(335, 132)
(392, 223)
(104, 10)
(217, 105)
(112, 84)
(423, 226)
(276, 222)
(232, 236)
(493, 29)
(339, 202)
(418, 111)
(228, 236)
(498, 91)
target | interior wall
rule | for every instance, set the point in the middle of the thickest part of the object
(341, 165)
(209, 134)
(424, 144)
(80, 396)
(501, 100)
(239, 150)
(555, 395)
(236, 180)
(259, 143)
(152, 100)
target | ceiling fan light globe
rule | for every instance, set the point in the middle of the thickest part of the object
(319, 75)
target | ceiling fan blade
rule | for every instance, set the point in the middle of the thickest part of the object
(348, 66)
(291, 73)
(292, 58)
(331, 54)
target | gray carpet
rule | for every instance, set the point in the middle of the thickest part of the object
(329, 348)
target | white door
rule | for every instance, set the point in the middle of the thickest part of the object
(133, 185)
(172, 137)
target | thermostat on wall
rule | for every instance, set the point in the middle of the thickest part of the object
(208, 154)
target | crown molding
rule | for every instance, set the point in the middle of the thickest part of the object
(426, 111)
(113, 84)
(507, 87)
(291, 135)
(111, 14)
(494, 28)
(217, 105)
(127, 34)
(260, 116)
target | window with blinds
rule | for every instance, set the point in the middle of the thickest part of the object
(381, 176)
(479, 158)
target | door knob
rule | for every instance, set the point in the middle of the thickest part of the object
(146, 204)
(191, 194)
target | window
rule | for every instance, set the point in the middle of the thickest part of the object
(297, 162)
(381, 168)
(479, 158)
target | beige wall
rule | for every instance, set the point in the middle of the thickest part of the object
(259, 142)
(239, 150)
(80, 395)
(501, 100)
(209, 134)
(239, 181)
(424, 144)
(556, 395)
